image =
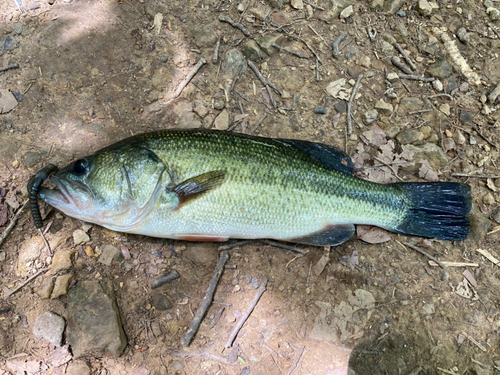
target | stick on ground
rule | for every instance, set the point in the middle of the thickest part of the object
(189, 77)
(215, 58)
(258, 124)
(11, 66)
(296, 361)
(336, 44)
(401, 65)
(237, 25)
(426, 254)
(11, 292)
(207, 300)
(290, 52)
(413, 77)
(181, 354)
(247, 313)
(349, 104)
(12, 223)
(405, 56)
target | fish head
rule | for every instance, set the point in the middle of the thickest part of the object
(116, 188)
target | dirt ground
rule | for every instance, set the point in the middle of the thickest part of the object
(94, 72)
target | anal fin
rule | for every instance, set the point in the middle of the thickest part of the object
(331, 235)
(200, 237)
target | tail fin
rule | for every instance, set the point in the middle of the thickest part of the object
(436, 210)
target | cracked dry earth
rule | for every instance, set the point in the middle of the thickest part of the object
(93, 72)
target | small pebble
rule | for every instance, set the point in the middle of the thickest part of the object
(80, 237)
(248, 279)
(369, 117)
(18, 96)
(493, 13)
(401, 13)
(255, 282)
(157, 253)
(438, 85)
(489, 199)
(320, 110)
(463, 35)
(164, 58)
(161, 302)
(18, 28)
(347, 12)
(392, 77)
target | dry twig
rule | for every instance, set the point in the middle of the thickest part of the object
(290, 52)
(11, 292)
(296, 361)
(246, 314)
(262, 79)
(216, 51)
(336, 44)
(371, 35)
(413, 77)
(202, 354)
(12, 223)
(349, 104)
(405, 56)
(313, 5)
(11, 66)
(401, 65)
(258, 124)
(207, 300)
(189, 77)
(237, 25)
(425, 254)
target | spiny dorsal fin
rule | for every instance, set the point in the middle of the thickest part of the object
(195, 186)
(330, 156)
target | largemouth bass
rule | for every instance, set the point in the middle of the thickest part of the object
(206, 185)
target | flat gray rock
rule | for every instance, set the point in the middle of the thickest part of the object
(7, 101)
(50, 327)
(94, 324)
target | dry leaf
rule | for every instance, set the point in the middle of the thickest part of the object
(20, 367)
(60, 356)
(375, 136)
(491, 184)
(426, 172)
(361, 156)
(240, 116)
(372, 235)
(335, 120)
(338, 89)
(4, 213)
(468, 275)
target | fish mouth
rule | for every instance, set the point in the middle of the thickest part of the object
(63, 197)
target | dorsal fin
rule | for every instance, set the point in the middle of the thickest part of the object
(330, 156)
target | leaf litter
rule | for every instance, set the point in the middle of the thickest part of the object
(375, 145)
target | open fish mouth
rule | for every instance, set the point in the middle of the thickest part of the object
(63, 196)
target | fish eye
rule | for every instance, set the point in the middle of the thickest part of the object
(80, 167)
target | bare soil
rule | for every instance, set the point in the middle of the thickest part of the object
(94, 72)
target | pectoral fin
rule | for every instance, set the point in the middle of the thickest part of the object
(331, 235)
(194, 187)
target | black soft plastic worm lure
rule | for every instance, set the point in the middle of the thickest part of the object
(34, 185)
